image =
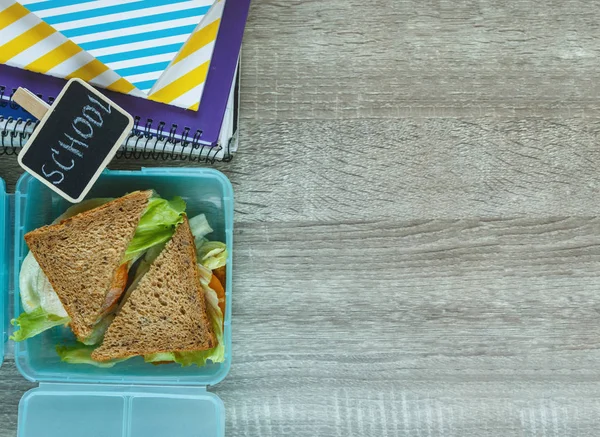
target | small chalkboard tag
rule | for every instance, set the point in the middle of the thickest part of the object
(75, 140)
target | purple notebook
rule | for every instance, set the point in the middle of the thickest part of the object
(204, 124)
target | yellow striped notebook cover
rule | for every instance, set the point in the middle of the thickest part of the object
(156, 72)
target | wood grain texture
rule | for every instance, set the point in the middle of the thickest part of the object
(343, 59)
(417, 241)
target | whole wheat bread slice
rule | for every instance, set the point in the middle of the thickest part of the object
(166, 312)
(81, 255)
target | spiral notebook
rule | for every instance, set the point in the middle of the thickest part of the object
(160, 131)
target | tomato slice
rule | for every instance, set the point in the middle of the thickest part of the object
(215, 284)
(117, 287)
(221, 274)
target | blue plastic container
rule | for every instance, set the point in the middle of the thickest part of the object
(132, 399)
(4, 269)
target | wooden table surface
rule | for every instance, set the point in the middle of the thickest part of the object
(417, 222)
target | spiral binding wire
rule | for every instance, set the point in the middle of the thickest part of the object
(142, 142)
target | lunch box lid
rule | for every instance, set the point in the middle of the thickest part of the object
(111, 408)
(58, 410)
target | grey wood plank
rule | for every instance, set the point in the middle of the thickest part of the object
(344, 59)
(452, 297)
(12, 388)
(412, 169)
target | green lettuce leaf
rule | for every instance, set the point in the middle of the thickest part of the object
(200, 227)
(35, 322)
(98, 332)
(160, 357)
(78, 354)
(156, 226)
(212, 254)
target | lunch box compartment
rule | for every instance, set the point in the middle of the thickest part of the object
(142, 398)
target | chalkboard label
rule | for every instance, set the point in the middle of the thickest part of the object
(75, 140)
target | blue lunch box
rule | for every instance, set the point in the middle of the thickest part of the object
(133, 398)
